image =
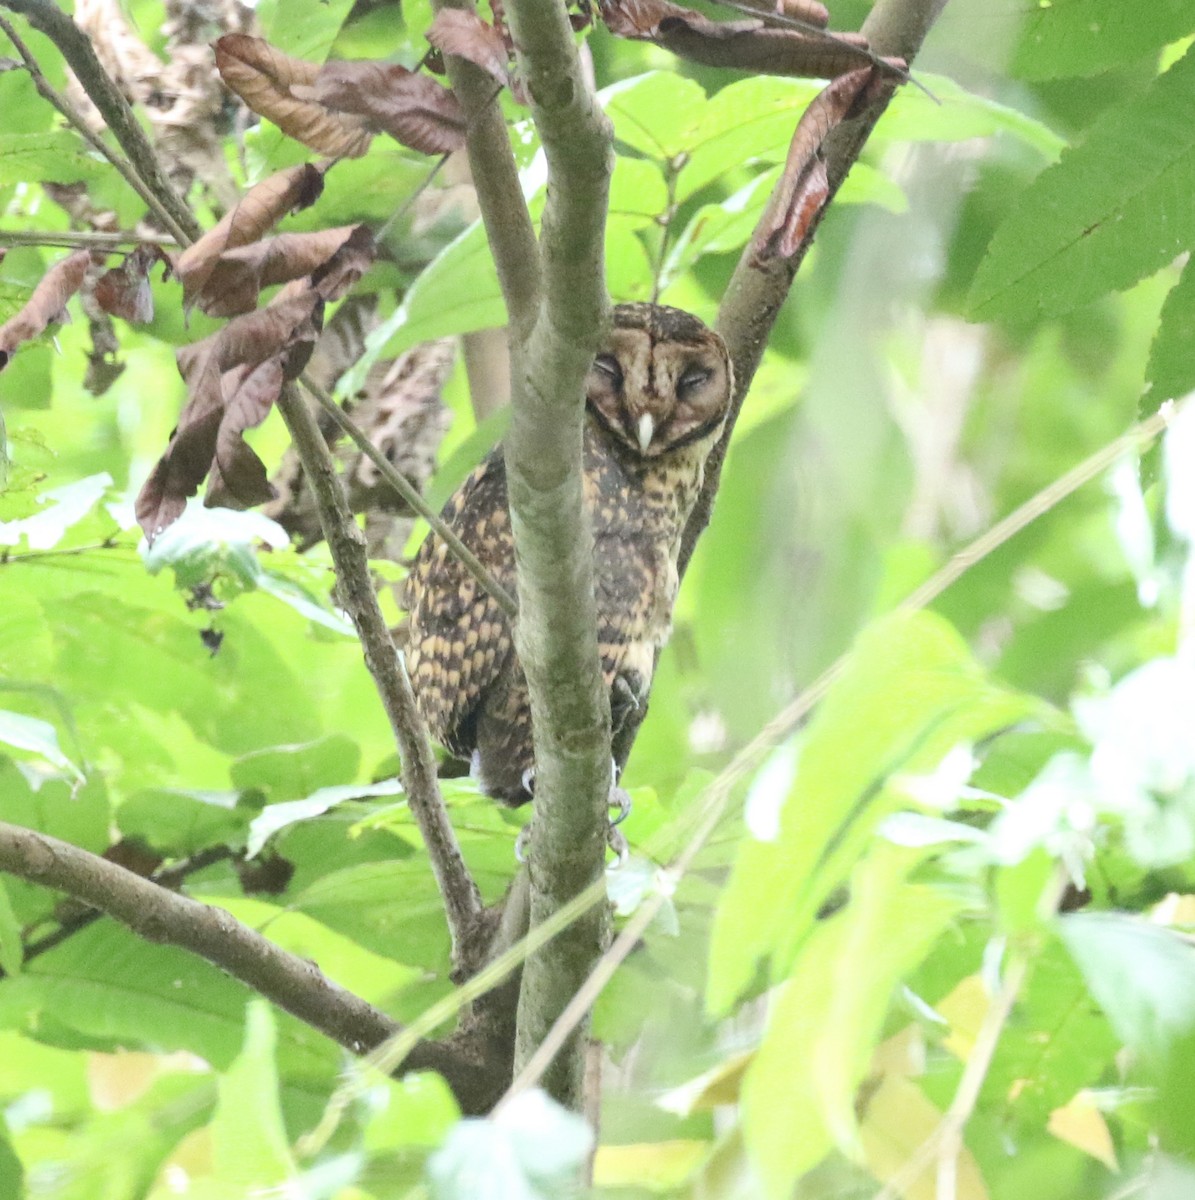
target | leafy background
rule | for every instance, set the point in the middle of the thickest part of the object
(964, 886)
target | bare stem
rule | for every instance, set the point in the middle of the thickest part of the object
(462, 901)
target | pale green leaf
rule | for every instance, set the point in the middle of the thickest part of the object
(35, 737)
(250, 1150)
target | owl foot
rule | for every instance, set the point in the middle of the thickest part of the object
(615, 840)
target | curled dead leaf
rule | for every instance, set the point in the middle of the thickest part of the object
(232, 379)
(262, 207)
(278, 87)
(240, 274)
(413, 109)
(803, 188)
(465, 34)
(46, 305)
(748, 45)
(124, 291)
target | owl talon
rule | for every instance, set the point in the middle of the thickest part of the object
(620, 800)
(528, 781)
(617, 842)
(522, 843)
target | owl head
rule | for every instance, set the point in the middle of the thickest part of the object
(662, 381)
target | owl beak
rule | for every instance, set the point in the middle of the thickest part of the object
(647, 428)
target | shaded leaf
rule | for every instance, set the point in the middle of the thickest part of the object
(1113, 210)
(46, 305)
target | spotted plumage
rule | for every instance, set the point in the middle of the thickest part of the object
(656, 400)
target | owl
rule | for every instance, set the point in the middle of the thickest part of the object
(657, 397)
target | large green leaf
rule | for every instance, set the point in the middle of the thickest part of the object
(1113, 210)
(826, 1022)
(909, 693)
(1084, 37)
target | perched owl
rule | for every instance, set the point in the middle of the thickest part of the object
(656, 400)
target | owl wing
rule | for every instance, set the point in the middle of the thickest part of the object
(459, 639)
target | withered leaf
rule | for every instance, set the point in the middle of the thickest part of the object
(810, 12)
(465, 34)
(804, 188)
(46, 305)
(353, 257)
(413, 109)
(223, 383)
(124, 291)
(240, 274)
(238, 477)
(262, 207)
(745, 45)
(277, 86)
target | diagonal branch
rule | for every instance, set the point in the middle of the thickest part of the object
(462, 901)
(894, 28)
(76, 47)
(159, 915)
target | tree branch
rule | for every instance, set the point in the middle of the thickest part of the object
(557, 306)
(894, 28)
(556, 634)
(158, 915)
(48, 18)
(462, 901)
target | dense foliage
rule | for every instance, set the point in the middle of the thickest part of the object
(934, 939)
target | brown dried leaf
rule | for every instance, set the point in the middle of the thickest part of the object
(352, 259)
(224, 383)
(413, 109)
(277, 86)
(124, 290)
(46, 304)
(804, 188)
(261, 209)
(238, 477)
(811, 12)
(465, 34)
(240, 275)
(744, 45)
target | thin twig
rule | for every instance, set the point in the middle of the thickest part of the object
(80, 55)
(122, 165)
(462, 900)
(408, 492)
(85, 238)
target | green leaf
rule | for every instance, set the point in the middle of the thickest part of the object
(909, 693)
(531, 1149)
(1143, 977)
(416, 1110)
(278, 816)
(1171, 372)
(250, 1149)
(178, 823)
(304, 28)
(36, 737)
(64, 507)
(12, 1173)
(105, 987)
(1112, 211)
(58, 157)
(11, 951)
(1085, 37)
(828, 1017)
(288, 772)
